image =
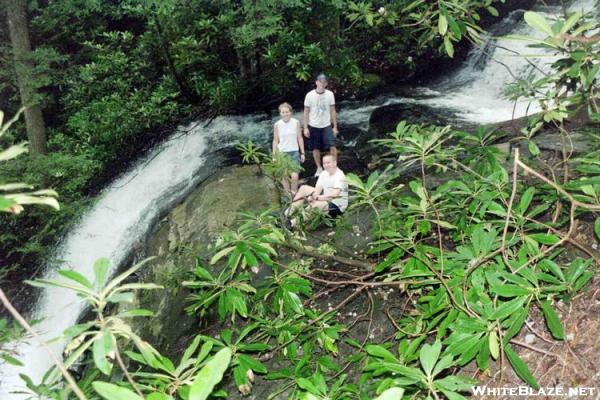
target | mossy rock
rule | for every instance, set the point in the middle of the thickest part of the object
(183, 236)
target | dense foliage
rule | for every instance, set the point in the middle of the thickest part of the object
(472, 257)
(109, 73)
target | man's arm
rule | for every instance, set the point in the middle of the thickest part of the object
(333, 119)
(313, 196)
(300, 142)
(332, 195)
(305, 121)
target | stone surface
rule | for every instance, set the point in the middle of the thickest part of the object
(183, 236)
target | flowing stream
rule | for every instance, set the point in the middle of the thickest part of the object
(127, 208)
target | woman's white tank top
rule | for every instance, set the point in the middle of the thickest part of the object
(288, 140)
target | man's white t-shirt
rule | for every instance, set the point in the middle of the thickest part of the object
(319, 115)
(288, 134)
(335, 181)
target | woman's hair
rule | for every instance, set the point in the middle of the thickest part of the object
(285, 105)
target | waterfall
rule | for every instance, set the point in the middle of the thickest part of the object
(114, 226)
(127, 208)
(475, 92)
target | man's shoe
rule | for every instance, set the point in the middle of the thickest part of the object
(319, 170)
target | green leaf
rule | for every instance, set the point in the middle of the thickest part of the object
(515, 323)
(507, 290)
(78, 329)
(443, 364)
(494, 345)
(103, 346)
(221, 254)
(394, 393)
(538, 22)
(114, 392)
(210, 375)
(448, 46)
(251, 363)
(76, 276)
(32, 199)
(101, 267)
(571, 21)
(545, 238)
(11, 360)
(191, 349)
(552, 320)
(13, 151)
(507, 308)
(307, 385)
(492, 11)
(483, 357)
(126, 297)
(597, 227)
(136, 313)
(526, 200)
(442, 25)
(533, 148)
(520, 367)
(380, 352)
(51, 283)
(15, 186)
(429, 355)
(6, 203)
(158, 396)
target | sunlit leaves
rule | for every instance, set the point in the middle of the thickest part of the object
(210, 375)
(110, 391)
(538, 22)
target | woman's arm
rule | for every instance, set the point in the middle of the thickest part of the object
(300, 142)
(275, 138)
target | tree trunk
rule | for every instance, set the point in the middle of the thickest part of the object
(19, 37)
(241, 65)
(186, 91)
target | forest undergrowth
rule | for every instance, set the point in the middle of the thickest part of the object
(467, 253)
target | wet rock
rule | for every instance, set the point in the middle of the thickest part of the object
(183, 235)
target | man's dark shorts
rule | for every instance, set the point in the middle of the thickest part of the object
(320, 138)
(333, 210)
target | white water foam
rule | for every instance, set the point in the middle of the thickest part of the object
(112, 228)
(475, 92)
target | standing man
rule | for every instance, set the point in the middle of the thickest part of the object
(319, 116)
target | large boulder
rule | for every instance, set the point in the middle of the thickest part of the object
(182, 237)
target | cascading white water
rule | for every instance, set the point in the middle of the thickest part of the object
(475, 91)
(126, 209)
(120, 218)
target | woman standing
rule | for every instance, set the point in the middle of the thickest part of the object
(287, 139)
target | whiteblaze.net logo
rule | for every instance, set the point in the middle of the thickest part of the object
(558, 391)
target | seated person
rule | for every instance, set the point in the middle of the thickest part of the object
(331, 191)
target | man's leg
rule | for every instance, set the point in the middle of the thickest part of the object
(295, 179)
(328, 141)
(301, 195)
(322, 204)
(285, 182)
(317, 156)
(316, 143)
(333, 151)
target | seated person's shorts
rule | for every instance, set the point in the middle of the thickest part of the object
(334, 210)
(320, 138)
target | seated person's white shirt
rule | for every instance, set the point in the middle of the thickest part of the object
(336, 181)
